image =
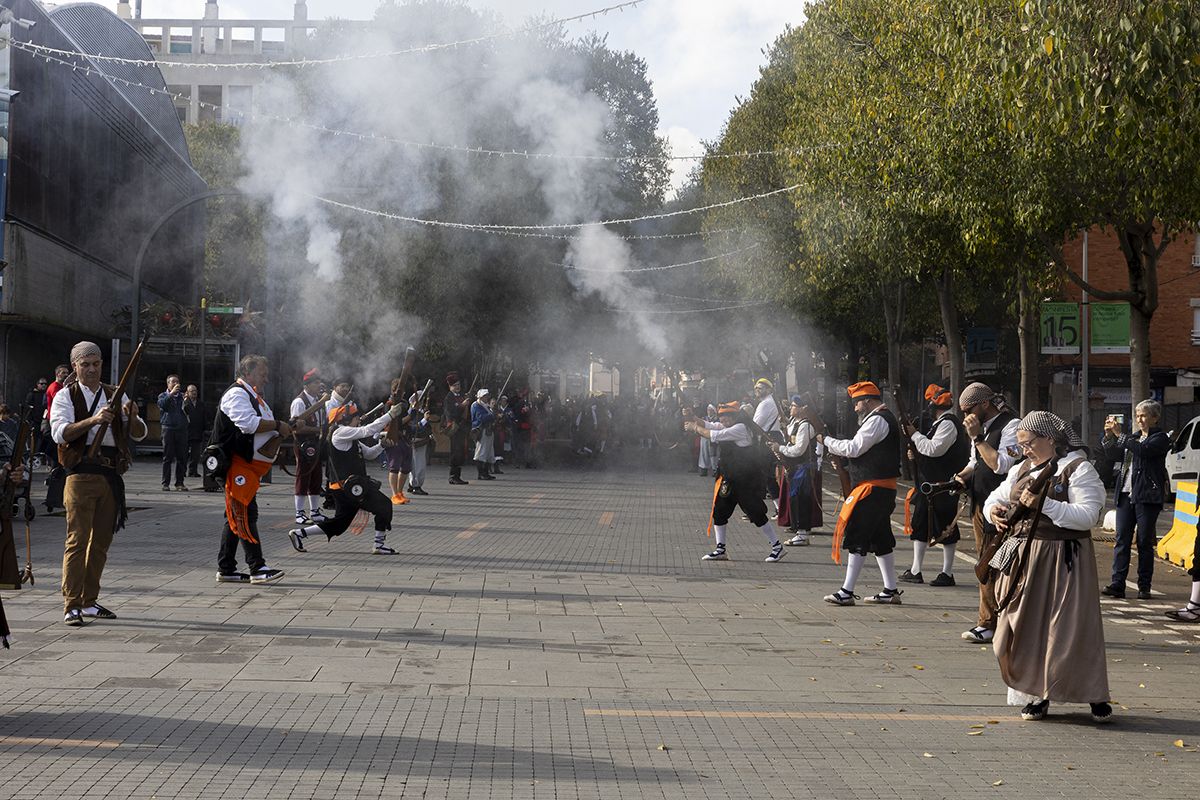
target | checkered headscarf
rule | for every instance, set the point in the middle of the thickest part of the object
(1043, 423)
(976, 393)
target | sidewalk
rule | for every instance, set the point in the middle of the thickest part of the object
(551, 634)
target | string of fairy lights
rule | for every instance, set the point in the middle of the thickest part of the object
(559, 231)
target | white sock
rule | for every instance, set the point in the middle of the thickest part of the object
(887, 567)
(775, 505)
(948, 558)
(719, 533)
(1196, 592)
(919, 549)
(854, 565)
(769, 531)
(310, 530)
(802, 533)
(299, 503)
(314, 503)
(380, 537)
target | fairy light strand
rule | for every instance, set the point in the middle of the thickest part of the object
(226, 111)
(312, 62)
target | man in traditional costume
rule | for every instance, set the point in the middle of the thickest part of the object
(739, 480)
(769, 419)
(256, 436)
(94, 495)
(457, 422)
(941, 452)
(992, 429)
(308, 433)
(865, 520)
(1049, 637)
(800, 494)
(349, 482)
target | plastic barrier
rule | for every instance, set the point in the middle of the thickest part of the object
(1179, 545)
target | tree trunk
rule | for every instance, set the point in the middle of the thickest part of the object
(950, 326)
(1141, 260)
(1027, 335)
(893, 314)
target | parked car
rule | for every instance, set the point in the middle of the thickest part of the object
(1183, 462)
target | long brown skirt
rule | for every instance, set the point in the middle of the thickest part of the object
(1050, 639)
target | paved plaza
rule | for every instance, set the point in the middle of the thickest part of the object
(552, 634)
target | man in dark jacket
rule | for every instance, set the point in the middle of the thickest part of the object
(174, 424)
(1140, 490)
(194, 410)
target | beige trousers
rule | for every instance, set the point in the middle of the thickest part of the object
(91, 517)
(987, 591)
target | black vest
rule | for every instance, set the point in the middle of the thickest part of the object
(984, 481)
(739, 465)
(882, 460)
(345, 464)
(944, 467)
(809, 456)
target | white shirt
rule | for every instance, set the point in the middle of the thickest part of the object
(1008, 439)
(62, 414)
(1085, 495)
(735, 434)
(301, 404)
(766, 416)
(873, 430)
(236, 405)
(944, 436)
(800, 433)
(344, 436)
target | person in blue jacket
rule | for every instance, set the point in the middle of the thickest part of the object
(483, 431)
(1140, 491)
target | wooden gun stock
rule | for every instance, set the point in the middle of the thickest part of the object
(837, 462)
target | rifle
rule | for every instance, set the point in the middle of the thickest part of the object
(410, 357)
(837, 462)
(903, 419)
(114, 402)
(945, 487)
(1021, 520)
(308, 412)
(505, 386)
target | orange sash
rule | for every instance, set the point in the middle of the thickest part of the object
(859, 492)
(713, 508)
(241, 484)
(908, 498)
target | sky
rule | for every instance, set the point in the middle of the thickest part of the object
(701, 54)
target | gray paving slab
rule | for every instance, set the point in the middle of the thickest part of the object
(574, 647)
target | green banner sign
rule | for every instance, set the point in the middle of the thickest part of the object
(225, 309)
(1060, 331)
(1110, 327)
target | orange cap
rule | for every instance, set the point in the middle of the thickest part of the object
(862, 389)
(938, 396)
(729, 408)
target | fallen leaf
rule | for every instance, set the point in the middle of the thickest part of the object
(663, 747)
(974, 733)
(1069, 767)
(998, 783)
(917, 666)
(812, 679)
(1141, 686)
(993, 722)
(1178, 742)
(977, 726)
(927, 755)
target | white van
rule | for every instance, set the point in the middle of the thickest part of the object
(1183, 462)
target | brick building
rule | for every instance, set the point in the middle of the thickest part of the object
(1174, 331)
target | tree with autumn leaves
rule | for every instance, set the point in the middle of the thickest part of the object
(949, 149)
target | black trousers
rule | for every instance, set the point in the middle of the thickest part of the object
(345, 509)
(195, 450)
(747, 494)
(175, 451)
(227, 558)
(458, 451)
(1131, 517)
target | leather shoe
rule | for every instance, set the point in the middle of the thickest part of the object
(1112, 590)
(1143, 594)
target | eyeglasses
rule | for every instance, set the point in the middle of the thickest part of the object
(1027, 447)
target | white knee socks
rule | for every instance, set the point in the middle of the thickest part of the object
(299, 503)
(769, 531)
(314, 503)
(854, 565)
(948, 558)
(719, 533)
(1196, 592)
(919, 549)
(380, 538)
(887, 567)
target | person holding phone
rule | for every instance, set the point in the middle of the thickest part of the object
(1139, 492)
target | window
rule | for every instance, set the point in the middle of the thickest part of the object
(210, 100)
(239, 103)
(1195, 322)
(1182, 439)
(1196, 438)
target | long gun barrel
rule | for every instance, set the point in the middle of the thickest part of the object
(945, 487)
(114, 402)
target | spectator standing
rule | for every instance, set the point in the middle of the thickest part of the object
(8, 432)
(35, 401)
(174, 424)
(194, 410)
(61, 372)
(1140, 490)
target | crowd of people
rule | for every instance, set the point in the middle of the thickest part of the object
(1032, 492)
